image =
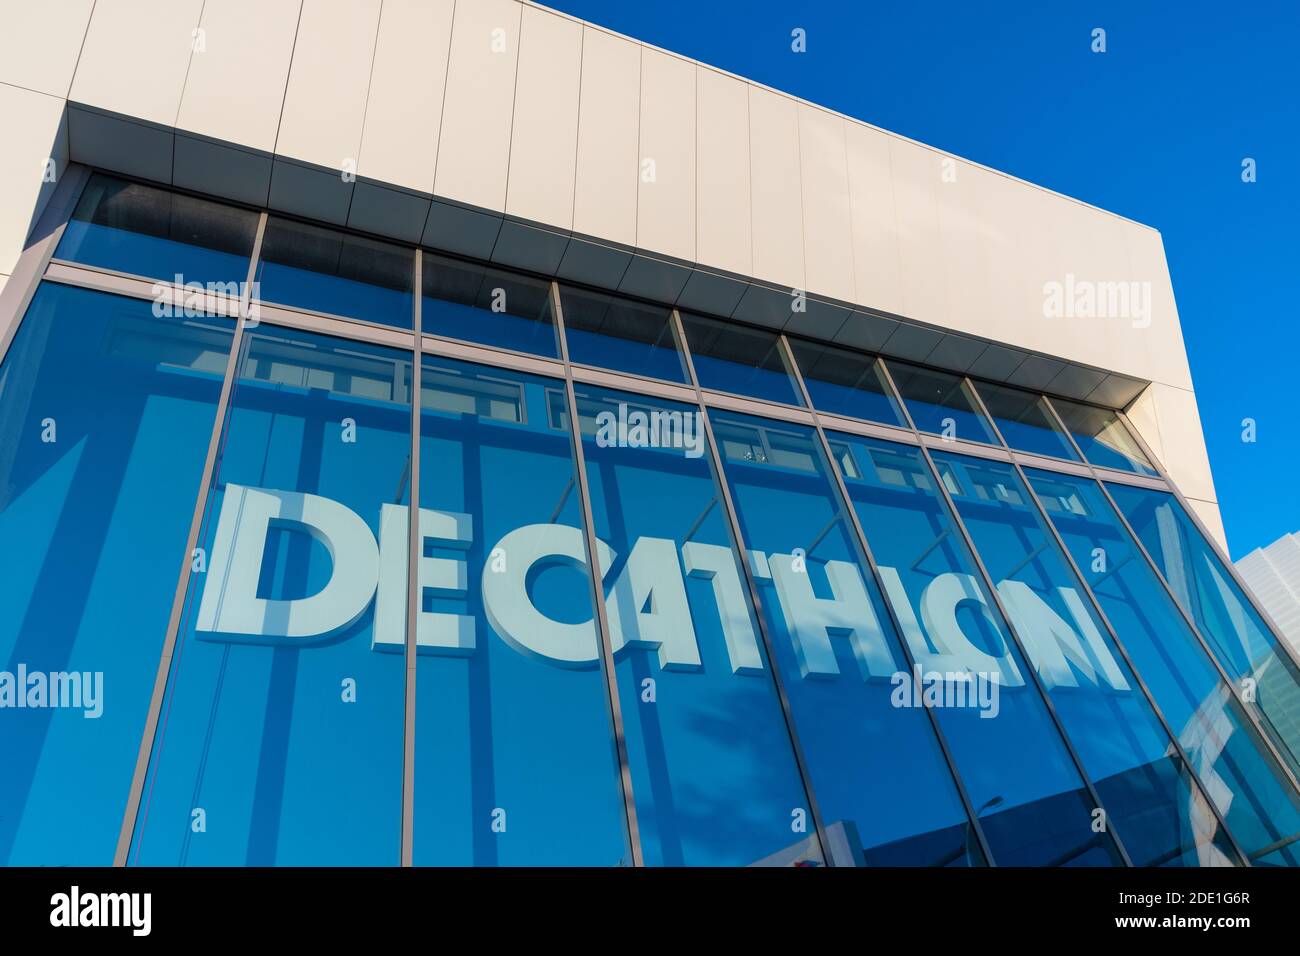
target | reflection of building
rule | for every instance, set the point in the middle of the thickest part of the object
(498, 498)
(1273, 573)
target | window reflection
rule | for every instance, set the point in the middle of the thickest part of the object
(1242, 643)
(1024, 421)
(1102, 437)
(463, 300)
(145, 231)
(738, 359)
(941, 403)
(1161, 816)
(107, 413)
(842, 382)
(608, 332)
(1032, 815)
(1249, 788)
(281, 741)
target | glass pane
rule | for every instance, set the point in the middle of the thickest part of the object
(626, 336)
(738, 359)
(281, 740)
(841, 382)
(1024, 421)
(488, 306)
(941, 404)
(1161, 816)
(515, 762)
(1243, 644)
(1102, 437)
(885, 792)
(713, 769)
(325, 270)
(106, 413)
(1247, 785)
(145, 231)
(1032, 804)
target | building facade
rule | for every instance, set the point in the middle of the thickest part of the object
(449, 433)
(1273, 573)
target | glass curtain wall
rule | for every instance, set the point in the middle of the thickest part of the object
(826, 648)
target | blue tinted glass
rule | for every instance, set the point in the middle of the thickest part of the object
(713, 769)
(737, 359)
(1026, 790)
(627, 336)
(1146, 790)
(325, 270)
(1024, 421)
(283, 718)
(941, 403)
(489, 306)
(107, 413)
(1243, 644)
(841, 382)
(1102, 437)
(883, 787)
(515, 758)
(152, 232)
(1245, 782)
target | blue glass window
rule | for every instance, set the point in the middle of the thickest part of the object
(841, 382)
(713, 771)
(339, 273)
(1160, 814)
(281, 737)
(106, 412)
(515, 761)
(739, 359)
(145, 231)
(883, 787)
(941, 403)
(1260, 806)
(1102, 437)
(488, 306)
(608, 332)
(1024, 420)
(1243, 644)
(1027, 792)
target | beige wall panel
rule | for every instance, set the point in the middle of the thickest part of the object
(474, 147)
(235, 87)
(875, 227)
(666, 180)
(543, 146)
(325, 102)
(1165, 355)
(827, 217)
(1212, 517)
(722, 188)
(916, 180)
(135, 57)
(605, 199)
(40, 43)
(33, 134)
(1185, 456)
(399, 143)
(776, 208)
(1142, 416)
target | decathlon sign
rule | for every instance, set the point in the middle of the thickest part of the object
(647, 600)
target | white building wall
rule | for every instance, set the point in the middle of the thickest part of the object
(459, 116)
(1273, 573)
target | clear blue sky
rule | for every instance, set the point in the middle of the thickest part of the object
(1155, 129)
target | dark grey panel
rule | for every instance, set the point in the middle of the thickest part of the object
(865, 330)
(310, 191)
(594, 263)
(388, 212)
(118, 144)
(711, 293)
(207, 166)
(652, 278)
(461, 230)
(529, 247)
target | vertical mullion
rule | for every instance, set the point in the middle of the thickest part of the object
(1069, 435)
(1284, 646)
(220, 423)
(596, 578)
(1123, 651)
(1231, 684)
(860, 534)
(756, 603)
(414, 552)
